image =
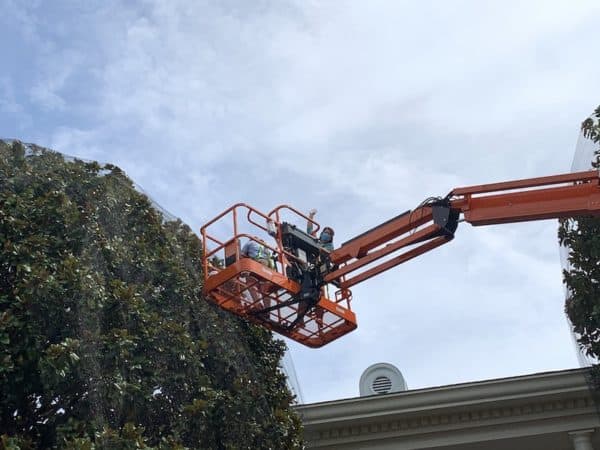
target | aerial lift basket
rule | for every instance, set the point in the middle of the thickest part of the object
(269, 295)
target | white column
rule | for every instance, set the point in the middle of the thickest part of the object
(582, 439)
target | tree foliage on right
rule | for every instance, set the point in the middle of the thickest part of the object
(581, 236)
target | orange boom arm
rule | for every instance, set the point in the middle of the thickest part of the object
(292, 294)
(434, 223)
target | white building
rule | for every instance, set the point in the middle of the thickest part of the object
(545, 411)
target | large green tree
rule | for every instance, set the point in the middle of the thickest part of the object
(105, 339)
(581, 236)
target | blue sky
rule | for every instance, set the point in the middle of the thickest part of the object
(360, 109)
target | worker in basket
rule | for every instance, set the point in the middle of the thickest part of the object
(325, 239)
(215, 265)
(258, 252)
(258, 290)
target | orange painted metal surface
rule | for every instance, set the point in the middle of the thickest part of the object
(575, 177)
(266, 296)
(263, 295)
(416, 232)
(542, 198)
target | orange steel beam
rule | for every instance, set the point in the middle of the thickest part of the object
(550, 202)
(359, 246)
(418, 236)
(430, 245)
(551, 197)
(575, 177)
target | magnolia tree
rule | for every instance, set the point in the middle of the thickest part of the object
(581, 236)
(105, 339)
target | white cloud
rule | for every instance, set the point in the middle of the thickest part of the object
(8, 101)
(53, 78)
(22, 16)
(361, 109)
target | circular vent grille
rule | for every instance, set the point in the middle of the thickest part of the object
(381, 378)
(382, 385)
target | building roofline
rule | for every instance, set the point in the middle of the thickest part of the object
(540, 404)
(449, 396)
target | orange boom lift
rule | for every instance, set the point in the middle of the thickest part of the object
(306, 295)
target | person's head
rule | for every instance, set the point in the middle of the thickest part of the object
(257, 242)
(217, 262)
(326, 235)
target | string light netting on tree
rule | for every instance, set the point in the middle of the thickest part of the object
(105, 337)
